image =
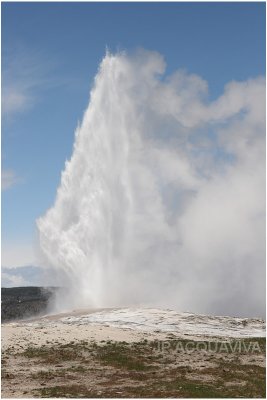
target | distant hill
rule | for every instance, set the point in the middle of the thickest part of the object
(24, 302)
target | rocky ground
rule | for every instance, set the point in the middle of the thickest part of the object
(133, 353)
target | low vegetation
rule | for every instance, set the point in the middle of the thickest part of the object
(142, 369)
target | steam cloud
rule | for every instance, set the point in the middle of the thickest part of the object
(163, 200)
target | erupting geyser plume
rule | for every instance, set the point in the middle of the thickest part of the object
(163, 199)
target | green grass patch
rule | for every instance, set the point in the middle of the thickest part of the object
(53, 355)
(66, 391)
(120, 356)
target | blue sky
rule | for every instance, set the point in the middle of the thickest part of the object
(50, 55)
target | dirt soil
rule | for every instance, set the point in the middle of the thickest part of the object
(52, 360)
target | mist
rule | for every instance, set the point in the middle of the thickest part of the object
(163, 200)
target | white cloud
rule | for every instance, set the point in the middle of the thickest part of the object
(17, 89)
(25, 74)
(8, 179)
(10, 280)
(26, 276)
(14, 100)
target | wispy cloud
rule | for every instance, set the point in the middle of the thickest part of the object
(14, 100)
(10, 280)
(8, 179)
(25, 74)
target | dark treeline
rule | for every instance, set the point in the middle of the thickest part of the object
(24, 302)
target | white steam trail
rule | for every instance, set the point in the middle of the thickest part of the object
(163, 199)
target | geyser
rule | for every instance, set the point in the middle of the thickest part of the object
(163, 199)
